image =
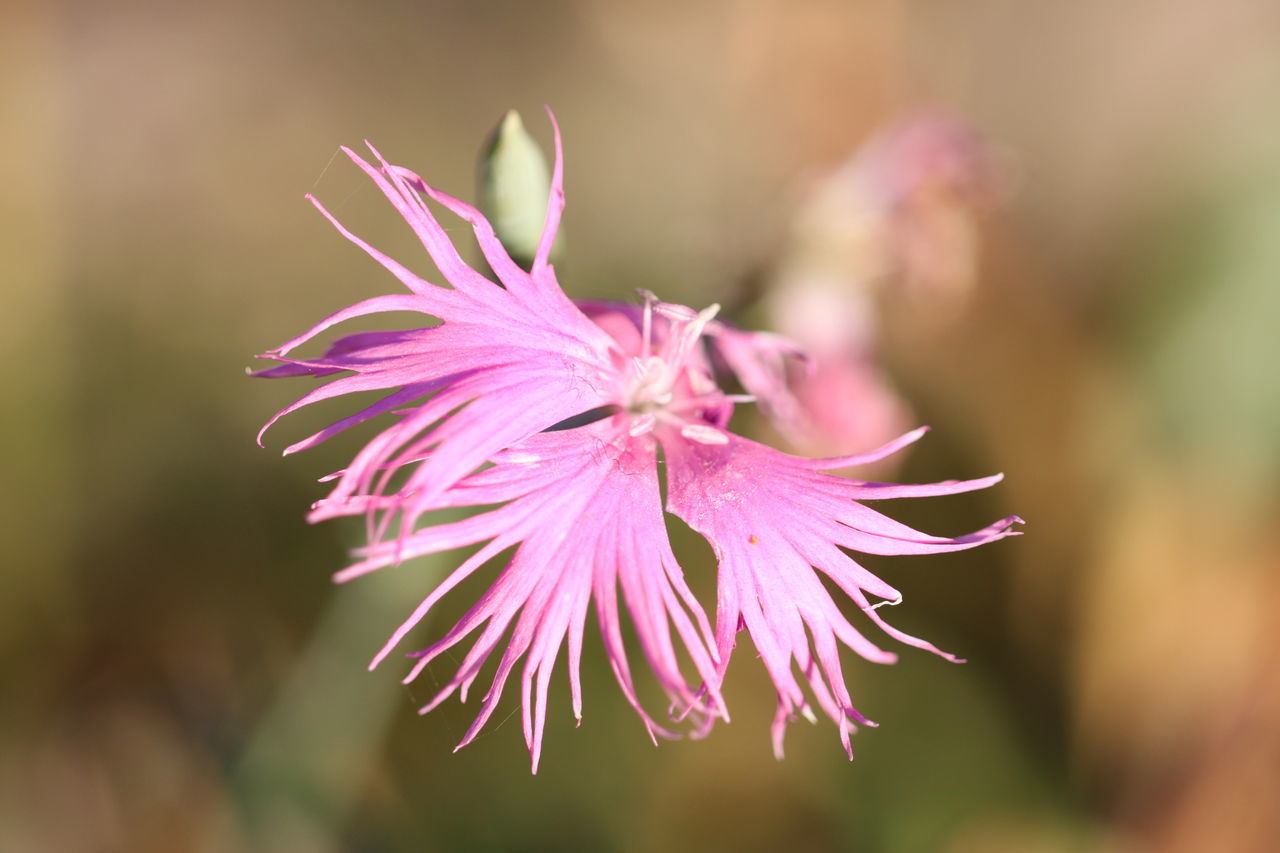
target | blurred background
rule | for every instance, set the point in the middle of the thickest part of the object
(1073, 279)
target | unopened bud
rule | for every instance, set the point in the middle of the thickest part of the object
(514, 185)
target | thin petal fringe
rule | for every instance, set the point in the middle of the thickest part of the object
(775, 522)
(583, 509)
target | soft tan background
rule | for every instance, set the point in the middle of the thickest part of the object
(180, 674)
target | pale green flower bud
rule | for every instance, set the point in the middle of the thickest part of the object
(514, 184)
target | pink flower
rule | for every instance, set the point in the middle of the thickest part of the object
(485, 408)
(899, 218)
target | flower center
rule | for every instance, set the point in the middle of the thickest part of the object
(669, 382)
(651, 386)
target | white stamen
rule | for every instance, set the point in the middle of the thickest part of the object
(690, 334)
(703, 434)
(680, 313)
(642, 424)
(701, 383)
(646, 333)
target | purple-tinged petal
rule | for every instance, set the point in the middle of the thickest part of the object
(375, 305)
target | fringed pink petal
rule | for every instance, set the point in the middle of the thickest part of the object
(375, 305)
(438, 300)
(489, 339)
(555, 202)
(762, 361)
(584, 512)
(419, 217)
(775, 522)
(495, 254)
(835, 463)
(865, 491)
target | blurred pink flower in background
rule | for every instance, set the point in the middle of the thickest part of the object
(553, 416)
(897, 219)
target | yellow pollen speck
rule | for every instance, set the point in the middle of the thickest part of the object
(753, 540)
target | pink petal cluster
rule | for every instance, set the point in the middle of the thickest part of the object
(483, 399)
